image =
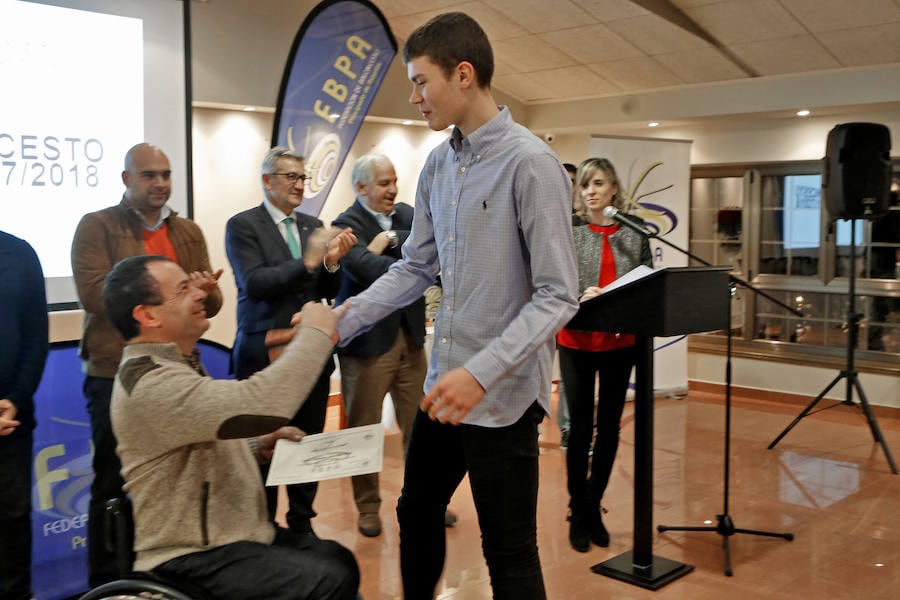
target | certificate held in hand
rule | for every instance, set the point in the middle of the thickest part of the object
(353, 451)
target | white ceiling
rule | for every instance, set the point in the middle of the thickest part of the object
(549, 51)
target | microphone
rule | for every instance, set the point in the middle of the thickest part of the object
(611, 212)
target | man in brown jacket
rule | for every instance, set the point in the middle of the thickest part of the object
(140, 224)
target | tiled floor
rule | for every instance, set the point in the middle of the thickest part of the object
(827, 482)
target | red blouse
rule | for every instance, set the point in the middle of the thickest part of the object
(598, 341)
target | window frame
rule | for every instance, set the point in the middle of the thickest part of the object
(744, 341)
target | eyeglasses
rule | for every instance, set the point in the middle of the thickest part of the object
(294, 177)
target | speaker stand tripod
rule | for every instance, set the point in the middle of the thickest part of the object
(724, 523)
(849, 373)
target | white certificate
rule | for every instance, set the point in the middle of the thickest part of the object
(353, 451)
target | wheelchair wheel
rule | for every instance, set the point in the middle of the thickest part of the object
(136, 589)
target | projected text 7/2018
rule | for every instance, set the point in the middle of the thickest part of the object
(39, 161)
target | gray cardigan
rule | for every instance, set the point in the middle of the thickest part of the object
(629, 248)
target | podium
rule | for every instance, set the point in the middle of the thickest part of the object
(667, 302)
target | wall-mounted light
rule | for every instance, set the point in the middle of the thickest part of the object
(653, 124)
(407, 122)
(803, 113)
(249, 108)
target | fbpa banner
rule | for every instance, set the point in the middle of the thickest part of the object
(337, 63)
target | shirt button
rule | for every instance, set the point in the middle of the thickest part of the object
(462, 169)
(450, 238)
(453, 203)
(443, 340)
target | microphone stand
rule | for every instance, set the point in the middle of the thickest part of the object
(725, 525)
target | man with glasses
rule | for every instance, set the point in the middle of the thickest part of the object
(190, 444)
(283, 259)
(142, 223)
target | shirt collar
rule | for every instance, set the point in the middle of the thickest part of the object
(164, 213)
(384, 220)
(486, 135)
(275, 213)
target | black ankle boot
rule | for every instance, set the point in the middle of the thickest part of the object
(579, 531)
(599, 534)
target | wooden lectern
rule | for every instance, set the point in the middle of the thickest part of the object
(667, 302)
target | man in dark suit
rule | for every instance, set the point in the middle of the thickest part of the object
(283, 259)
(390, 357)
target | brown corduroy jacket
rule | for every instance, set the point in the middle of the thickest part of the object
(102, 239)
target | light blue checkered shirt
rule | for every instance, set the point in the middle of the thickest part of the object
(493, 217)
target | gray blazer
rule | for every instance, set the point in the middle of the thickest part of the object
(629, 248)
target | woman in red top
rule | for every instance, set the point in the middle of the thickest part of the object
(604, 252)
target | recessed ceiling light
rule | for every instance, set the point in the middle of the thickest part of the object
(407, 122)
(653, 124)
(248, 108)
(803, 113)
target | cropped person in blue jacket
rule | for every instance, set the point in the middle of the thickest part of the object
(23, 353)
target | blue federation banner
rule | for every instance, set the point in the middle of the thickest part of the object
(62, 478)
(63, 472)
(337, 63)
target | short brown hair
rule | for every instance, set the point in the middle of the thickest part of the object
(450, 39)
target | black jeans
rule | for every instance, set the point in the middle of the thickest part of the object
(107, 482)
(15, 515)
(502, 464)
(291, 567)
(579, 370)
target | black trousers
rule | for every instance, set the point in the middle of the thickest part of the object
(293, 566)
(107, 482)
(15, 515)
(580, 370)
(502, 464)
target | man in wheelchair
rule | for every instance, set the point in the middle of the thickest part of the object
(189, 444)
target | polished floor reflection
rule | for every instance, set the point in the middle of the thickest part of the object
(827, 482)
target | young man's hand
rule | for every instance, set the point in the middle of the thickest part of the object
(453, 396)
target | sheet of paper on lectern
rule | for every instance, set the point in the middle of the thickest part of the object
(353, 451)
(636, 274)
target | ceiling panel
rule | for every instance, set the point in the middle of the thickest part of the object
(797, 54)
(538, 16)
(655, 35)
(876, 45)
(574, 82)
(531, 53)
(639, 73)
(700, 66)
(593, 43)
(611, 10)
(831, 15)
(746, 21)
